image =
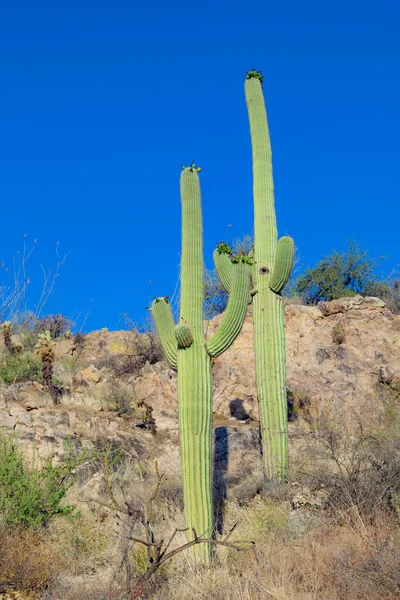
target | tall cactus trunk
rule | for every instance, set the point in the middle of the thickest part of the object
(269, 347)
(187, 350)
(195, 429)
(194, 372)
(268, 310)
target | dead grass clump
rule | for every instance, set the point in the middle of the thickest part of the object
(94, 587)
(298, 404)
(81, 546)
(339, 334)
(331, 562)
(296, 299)
(367, 565)
(258, 519)
(65, 371)
(119, 397)
(25, 559)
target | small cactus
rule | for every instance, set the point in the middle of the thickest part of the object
(12, 349)
(45, 352)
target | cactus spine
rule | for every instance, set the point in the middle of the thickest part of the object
(273, 262)
(188, 351)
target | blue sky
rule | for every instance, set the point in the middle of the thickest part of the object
(101, 102)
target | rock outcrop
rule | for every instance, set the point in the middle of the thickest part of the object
(343, 361)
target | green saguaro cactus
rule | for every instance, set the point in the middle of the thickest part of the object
(187, 350)
(273, 261)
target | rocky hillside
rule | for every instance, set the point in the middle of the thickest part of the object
(343, 362)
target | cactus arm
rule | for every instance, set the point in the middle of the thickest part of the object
(268, 311)
(223, 266)
(283, 264)
(235, 313)
(183, 336)
(161, 311)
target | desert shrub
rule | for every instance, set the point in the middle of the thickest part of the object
(118, 396)
(57, 325)
(391, 292)
(69, 364)
(79, 342)
(149, 349)
(258, 518)
(26, 561)
(339, 334)
(19, 367)
(370, 566)
(359, 474)
(341, 274)
(82, 545)
(30, 497)
(297, 403)
(145, 348)
(29, 326)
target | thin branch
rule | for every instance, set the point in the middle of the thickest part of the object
(239, 546)
(171, 539)
(49, 284)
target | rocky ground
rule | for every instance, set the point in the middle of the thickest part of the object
(343, 369)
(343, 357)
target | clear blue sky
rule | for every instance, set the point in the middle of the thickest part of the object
(100, 103)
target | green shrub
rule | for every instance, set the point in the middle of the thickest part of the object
(341, 274)
(27, 497)
(19, 367)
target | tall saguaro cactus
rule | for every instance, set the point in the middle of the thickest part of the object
(273, 261)
(187, 350)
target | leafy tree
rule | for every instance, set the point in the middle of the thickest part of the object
(341, 274)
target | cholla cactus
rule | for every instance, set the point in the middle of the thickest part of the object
(12, 348)
(187, 350)
(44, 350)
(273, 261)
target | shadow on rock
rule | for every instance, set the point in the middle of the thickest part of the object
(221, 461)
(238, 411)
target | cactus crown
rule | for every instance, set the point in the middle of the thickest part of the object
(191, 168)
(43, 338)
(224, 248)
(161, 299)
(253, 74)
(242, 258)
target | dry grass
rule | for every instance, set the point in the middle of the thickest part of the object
(339, 562)
(81, 546)
(346, 547)
(335, 559)
(26, 561)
